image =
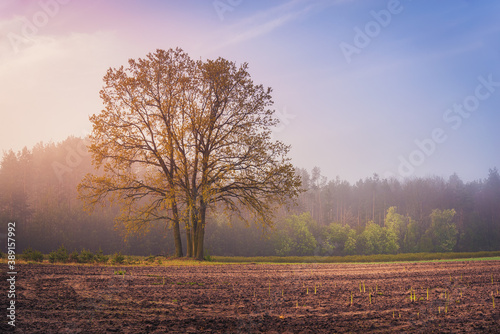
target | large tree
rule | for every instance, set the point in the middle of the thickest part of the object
(177, 138)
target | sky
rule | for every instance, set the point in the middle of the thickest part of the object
(398, 88)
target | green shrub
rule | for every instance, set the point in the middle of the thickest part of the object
(61, 255)
(150, 259)
(131, 260)
(208, 258)
(86, 256)
(100, 257)
(32, 255)
(118, 258)
(73, 257)
(52, 257)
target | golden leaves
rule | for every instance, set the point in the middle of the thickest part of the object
(177, 136)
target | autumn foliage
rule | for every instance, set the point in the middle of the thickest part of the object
(178, 138)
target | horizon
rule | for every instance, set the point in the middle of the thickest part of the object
(337, 178)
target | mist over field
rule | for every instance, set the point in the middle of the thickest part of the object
(331, 217)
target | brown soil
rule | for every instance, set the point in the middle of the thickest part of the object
(250, 298)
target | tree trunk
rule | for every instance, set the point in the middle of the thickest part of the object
(200, 235)
(194, 232)
(177, 232)
(189, 242)
(177, 240)
(195, 241)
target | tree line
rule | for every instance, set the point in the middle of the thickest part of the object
(472, 207)
(38, 190)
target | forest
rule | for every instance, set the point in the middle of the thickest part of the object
(38, 190)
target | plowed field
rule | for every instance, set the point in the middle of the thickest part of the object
(440, 297)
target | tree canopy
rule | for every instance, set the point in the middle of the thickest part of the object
(179, 137)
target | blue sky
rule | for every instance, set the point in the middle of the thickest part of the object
(372, 111)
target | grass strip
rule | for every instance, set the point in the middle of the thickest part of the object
(407, 257)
